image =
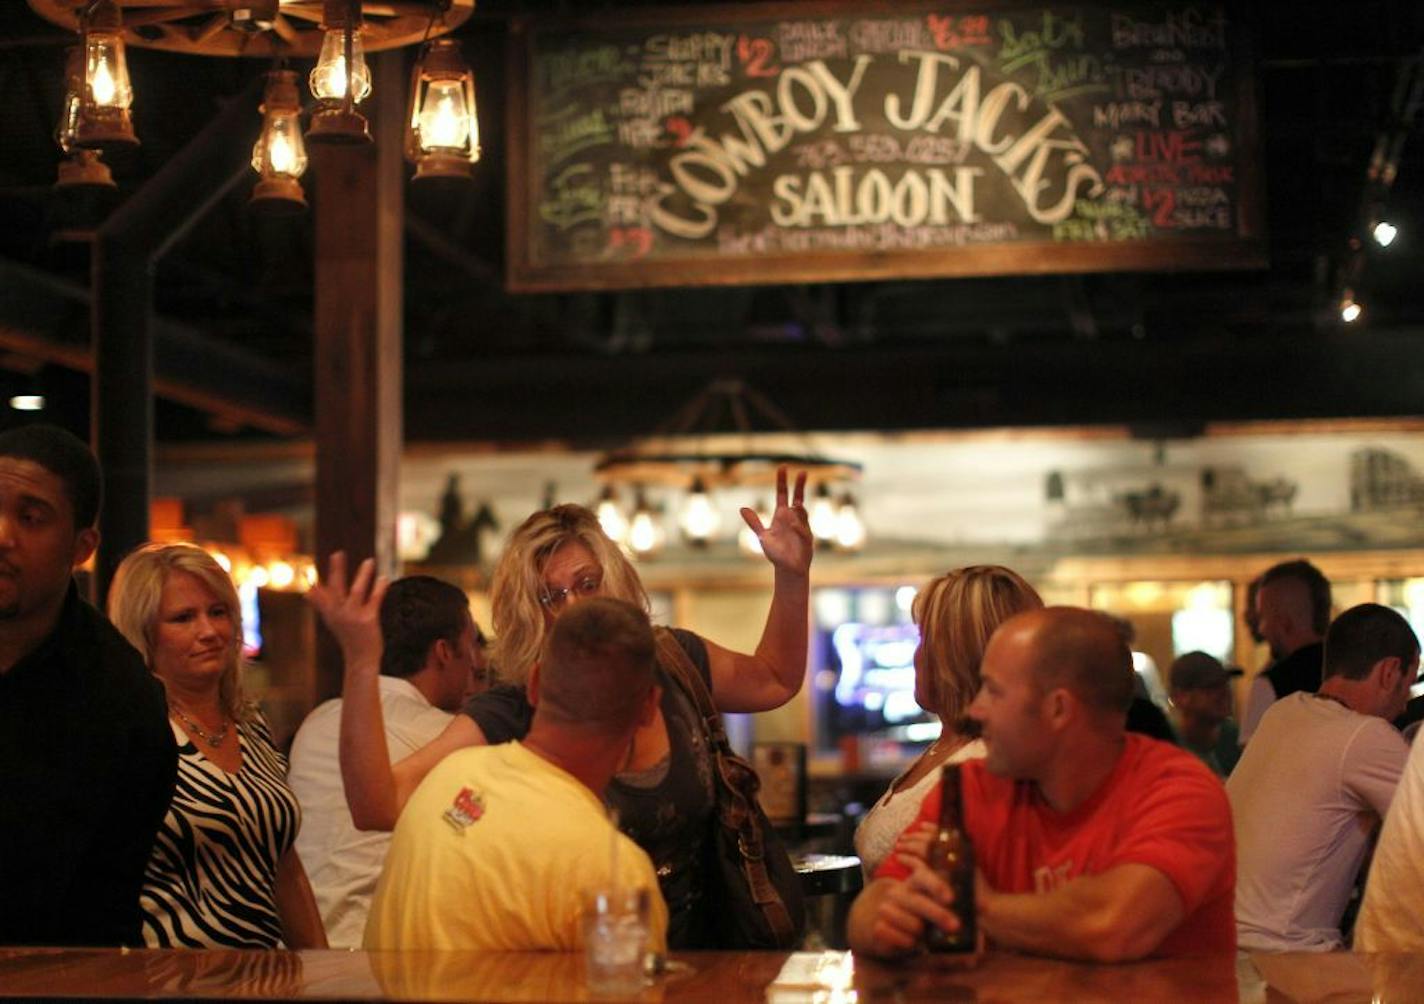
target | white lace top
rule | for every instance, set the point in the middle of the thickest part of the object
(876, 835)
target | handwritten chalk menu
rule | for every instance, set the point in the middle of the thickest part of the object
(817, 142)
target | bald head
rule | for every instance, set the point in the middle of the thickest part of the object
(1079, 650)
(597, 666)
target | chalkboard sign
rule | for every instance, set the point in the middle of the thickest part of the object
(832, 141)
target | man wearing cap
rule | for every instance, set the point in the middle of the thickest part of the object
(1314, 783)
(1200, 689)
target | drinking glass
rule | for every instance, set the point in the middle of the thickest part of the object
(615, 939)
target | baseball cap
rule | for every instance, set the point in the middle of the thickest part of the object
(1197, 671)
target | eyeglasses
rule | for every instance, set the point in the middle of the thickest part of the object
(551, 598)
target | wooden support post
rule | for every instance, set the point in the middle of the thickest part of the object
(359, 205)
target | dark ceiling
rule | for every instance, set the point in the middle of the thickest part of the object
(1160, 351)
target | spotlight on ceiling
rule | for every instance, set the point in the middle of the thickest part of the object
(1384, 233)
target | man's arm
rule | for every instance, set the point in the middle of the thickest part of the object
(889, 917)
(1116, 916)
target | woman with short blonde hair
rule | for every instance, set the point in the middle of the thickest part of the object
(957, 613)
(517, 615)
(224, 871)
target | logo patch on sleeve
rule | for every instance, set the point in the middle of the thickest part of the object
(467, 808)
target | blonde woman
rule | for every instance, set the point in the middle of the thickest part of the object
(956, 614)
(223, 872)
(556, 558)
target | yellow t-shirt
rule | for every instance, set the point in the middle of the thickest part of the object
(493, 852)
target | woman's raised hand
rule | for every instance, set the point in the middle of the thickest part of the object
(352, 614)
(787, 541)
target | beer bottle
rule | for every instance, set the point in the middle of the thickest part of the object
(952, 858)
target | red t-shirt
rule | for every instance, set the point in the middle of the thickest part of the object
(1159, 807)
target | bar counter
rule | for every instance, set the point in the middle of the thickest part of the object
(696, 978)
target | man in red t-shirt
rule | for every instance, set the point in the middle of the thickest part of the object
(1091, 842)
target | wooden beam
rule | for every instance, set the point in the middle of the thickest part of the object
(41, 316)
(359, 205)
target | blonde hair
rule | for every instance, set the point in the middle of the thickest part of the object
(956, 613)
(137, 593)
(516, 614)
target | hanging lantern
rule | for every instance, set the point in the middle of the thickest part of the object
(81, 168)
(340, 80)
(700, 518)
(279, 157)
(611, 518)
(442, 135)
(103, 118)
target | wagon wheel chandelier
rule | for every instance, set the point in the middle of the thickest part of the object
(717, 441)
(441, 131)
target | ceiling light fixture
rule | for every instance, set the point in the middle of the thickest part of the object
(279, 156)
(1384, 233)
(719, 441)
(340, 80)
(103, 118)
(81, 168)
(442, 136)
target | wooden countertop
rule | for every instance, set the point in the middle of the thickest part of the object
(710, 977)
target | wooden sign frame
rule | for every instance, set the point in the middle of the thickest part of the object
(1244, 249)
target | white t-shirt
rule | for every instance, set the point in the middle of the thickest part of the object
(1392, 917)
(1305, 797)
(876, 835)
(341, 861)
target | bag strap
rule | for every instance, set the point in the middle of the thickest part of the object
(739, 787)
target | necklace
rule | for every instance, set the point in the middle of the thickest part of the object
(214, 739)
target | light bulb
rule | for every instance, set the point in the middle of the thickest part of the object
(281, 574)
(643, 535)
(823, 514)
(101, 85)
(850, 528)
(1350, 311)
(700, 519)
(279, 151)
(1385, 233)
(444, 120)
(28, 402)
(328, 77)
(611, 518)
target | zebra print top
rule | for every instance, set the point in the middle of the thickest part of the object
(211, 881)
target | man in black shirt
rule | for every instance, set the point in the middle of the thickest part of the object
(87, 758)
(1293, 608)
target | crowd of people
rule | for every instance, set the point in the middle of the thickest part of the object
(573, 751)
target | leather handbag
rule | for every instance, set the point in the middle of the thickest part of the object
(754, 893)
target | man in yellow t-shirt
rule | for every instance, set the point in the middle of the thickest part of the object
(496, 847)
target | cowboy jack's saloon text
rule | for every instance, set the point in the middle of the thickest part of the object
(1045, 162)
